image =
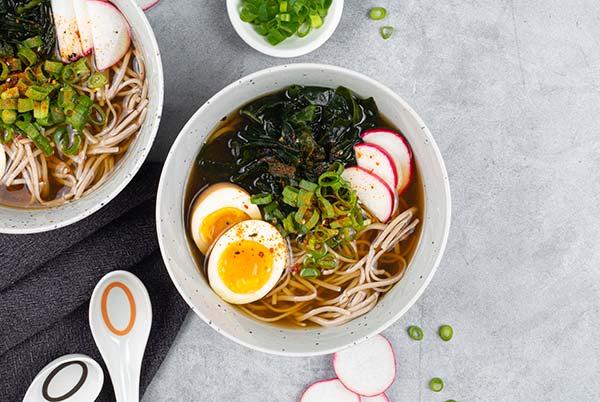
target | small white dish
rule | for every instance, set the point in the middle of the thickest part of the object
(70, 378)
(291, 47)
(120, 318)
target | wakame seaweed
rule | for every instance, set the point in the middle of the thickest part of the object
(23, 19)
(292, 135)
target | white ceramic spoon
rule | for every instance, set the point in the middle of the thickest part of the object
(70, 378)
(120, 319)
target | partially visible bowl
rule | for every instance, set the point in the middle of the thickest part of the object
(291, 47)
(171, 211)
(24, 221)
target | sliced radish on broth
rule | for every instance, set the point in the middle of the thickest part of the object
(110, 33)
(373, 192)
(378, 398)
(396, 145)
(84, 24)
(328, 391)
(147, 4)
(368, 368)
(67, 31)
(377, 161)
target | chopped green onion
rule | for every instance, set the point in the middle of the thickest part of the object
(316, 21)
(310, 273)
(9, 116)
(386, 32)
(41, 109)
(34, 42)
(53, 67)
(97, 115)
(308, 186)
(26, 55)
(290, 196)
(377, 13)
(261, 199)
(38, 93)
(97, 80)
(57, 114)
(66, 96)
(446, 332)
(14, 64)
(284, 17)
(10, 93)
(304, 30)
(62, 140)
(34, 135)
(450, 400)
(28, 6)
(4, 71)
(24, 105)
(8, 104)
(275, 37)
(436, 384)
(6, 134)
(283, 6)
(415, 333)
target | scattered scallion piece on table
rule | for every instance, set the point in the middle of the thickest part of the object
(386, 32)
(450, 400)
(446, 332)
(377, 13)
(436, 384)
(415, 333)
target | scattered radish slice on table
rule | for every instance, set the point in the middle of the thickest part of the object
(147, 4)
(110, 33)
(328, 391)
(377, 161)
(378, 398)
(374, 193)
(398, 148)
(84, 24)
(67, 31)
(368, 368)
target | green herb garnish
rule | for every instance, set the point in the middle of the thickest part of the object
(386, 32)
(436, 384)
(377, 13)
(446, 332)
(278, 20)
(415, 333)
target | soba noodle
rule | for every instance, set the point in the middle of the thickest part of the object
(348, 291)
(124, 101)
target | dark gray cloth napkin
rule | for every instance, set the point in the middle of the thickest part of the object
(46, 281)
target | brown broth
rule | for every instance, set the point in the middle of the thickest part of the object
(216, 146)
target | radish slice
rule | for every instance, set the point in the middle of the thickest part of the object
(110, 33)
(328, 391)
(368, 368)
(84, 25)
(378, 398)
(398, 148)
(147, 4)
(374, 193)
(67, 31)
(377, 161)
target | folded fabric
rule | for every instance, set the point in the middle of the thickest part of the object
(46, 281)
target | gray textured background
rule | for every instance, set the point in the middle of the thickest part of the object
(511, 92)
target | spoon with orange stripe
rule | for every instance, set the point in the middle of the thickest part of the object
(120, 319)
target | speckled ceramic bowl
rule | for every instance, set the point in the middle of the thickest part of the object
(22, 221)
(191, 283)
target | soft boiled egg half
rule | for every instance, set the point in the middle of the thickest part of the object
(247, 261)
(218, 208)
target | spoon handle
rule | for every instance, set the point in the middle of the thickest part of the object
(127, 387)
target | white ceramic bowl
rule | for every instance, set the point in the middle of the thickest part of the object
(291, 47)
(191, 283)
(22, 221)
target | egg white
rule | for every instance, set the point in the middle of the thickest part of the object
(260, 232)
(214, 198)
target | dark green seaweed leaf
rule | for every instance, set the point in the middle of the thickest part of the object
(292, 135)
(23, 19)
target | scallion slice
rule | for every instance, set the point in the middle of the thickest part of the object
(386, 32)
(377, 13)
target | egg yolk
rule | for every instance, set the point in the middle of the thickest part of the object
(245, 266)
(219, 221)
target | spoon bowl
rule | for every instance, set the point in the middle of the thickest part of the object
(120, 318)
(70, 378)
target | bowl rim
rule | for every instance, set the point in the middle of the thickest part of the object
(305, 66)
(310, 44)
(154, 50)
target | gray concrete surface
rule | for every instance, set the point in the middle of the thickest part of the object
(511, 91)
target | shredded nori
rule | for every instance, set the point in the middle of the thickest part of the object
(292, 135)
(23, 19)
